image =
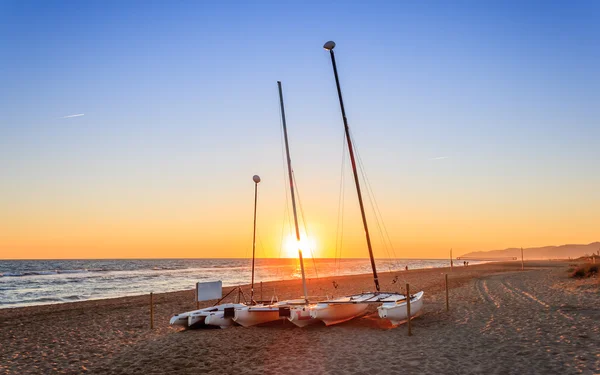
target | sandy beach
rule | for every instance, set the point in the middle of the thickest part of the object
(502, 321)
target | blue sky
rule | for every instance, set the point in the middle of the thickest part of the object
(180, 100)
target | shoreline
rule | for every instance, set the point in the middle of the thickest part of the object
(113, 336)
(247, 286)
(84, 281)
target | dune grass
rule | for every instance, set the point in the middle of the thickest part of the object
(584, 271)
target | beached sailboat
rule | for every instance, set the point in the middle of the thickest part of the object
(392, 304)
(397, 311)
(220, 315)
(290, 309)
(197, 319)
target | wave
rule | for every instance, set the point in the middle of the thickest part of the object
(72, 298)
(47, 272)
(11, 274)
(157, 269)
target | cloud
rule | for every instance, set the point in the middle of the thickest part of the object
(77, 115)
(440, 158)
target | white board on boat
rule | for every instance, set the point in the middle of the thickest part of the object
(209, 290)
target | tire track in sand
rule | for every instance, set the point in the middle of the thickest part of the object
(539, 301)
(485, 294)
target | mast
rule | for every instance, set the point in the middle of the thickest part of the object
(289, 165)
(329, 47)
(256, 180)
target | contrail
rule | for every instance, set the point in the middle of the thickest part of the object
(69, 116)
(440, 158)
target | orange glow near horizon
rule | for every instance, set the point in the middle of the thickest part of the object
(90, 223)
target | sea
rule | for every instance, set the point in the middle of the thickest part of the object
(39, 282)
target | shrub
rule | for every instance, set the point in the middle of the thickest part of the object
(586, 270)
(578, 273)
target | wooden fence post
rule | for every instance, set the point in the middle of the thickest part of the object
(447, 300)
(151, 311)
(522, 262)
(408, 309)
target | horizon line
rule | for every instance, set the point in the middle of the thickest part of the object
(188, 258)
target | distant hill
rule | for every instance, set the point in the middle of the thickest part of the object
(546, 252)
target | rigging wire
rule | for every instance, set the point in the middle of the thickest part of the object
(339, 234)
(304, 223)
(375, 207)
(286, 210)
(262, 250)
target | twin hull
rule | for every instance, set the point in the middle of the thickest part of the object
(397, 312)
(199, 318)
(300, 315)
(252, 315)
(331, 313)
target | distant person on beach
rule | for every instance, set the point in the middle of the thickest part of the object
(406, 268)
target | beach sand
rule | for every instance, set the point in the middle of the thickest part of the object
(502, 321)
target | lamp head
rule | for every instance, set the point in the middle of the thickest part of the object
(329, 45)
(256, 178)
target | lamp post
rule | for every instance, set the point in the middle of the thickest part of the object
(256, 180)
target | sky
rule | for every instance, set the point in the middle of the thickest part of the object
(132, 129)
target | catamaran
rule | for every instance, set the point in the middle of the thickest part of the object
(257, 314)
(197, 319)
(220, 314)
(392, 304)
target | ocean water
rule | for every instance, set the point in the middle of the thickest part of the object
(36, 282)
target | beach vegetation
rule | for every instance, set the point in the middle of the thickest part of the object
(584, 271)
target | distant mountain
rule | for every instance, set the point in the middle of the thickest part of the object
(546, 252)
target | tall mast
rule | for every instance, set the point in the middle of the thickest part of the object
(256, 180)
(289, 165)
(329, 47)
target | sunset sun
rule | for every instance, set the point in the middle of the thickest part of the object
(291, 246)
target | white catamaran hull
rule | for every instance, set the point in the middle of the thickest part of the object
(182, 319)
(179, 320)
(218, 319)
(300, 315)
(331, 313)
(397, 312)
(197, 318)
(251, 316)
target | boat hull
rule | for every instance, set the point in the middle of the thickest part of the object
(218, 319)
(251, 316)
(300, 316)
(182, 319)
(396, 312)
(331, 313)
(197, 320)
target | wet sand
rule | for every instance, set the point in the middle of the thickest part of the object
(501, 321)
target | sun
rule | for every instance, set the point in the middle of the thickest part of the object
(305, 244)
